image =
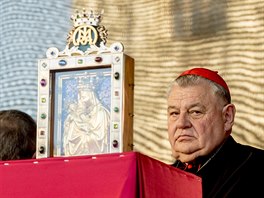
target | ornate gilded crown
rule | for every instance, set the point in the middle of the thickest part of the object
(86, 18)
(87, 36)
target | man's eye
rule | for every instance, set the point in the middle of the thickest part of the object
(174, 113)
(196, 113)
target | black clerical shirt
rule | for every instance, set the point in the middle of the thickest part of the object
(234, 170)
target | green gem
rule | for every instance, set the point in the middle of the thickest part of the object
(115, 126)
(43, 116)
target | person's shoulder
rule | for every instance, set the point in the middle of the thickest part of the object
(240, 146)
(255, 153)
(252, 148)
(245, 149)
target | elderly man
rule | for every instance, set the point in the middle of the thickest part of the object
(200, 120)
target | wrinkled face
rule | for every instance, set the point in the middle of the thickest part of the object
(198, 121)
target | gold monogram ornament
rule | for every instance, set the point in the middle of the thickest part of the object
(85, 34)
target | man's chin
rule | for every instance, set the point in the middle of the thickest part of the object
(187, 156)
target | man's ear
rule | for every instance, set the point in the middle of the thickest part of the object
(229, 112)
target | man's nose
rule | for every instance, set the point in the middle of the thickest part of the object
(183, 121)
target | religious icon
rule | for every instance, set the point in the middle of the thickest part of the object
(82, 108)
(85, 94)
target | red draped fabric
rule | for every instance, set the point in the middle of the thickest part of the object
(119, 175)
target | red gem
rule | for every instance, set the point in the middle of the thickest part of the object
(98, 59)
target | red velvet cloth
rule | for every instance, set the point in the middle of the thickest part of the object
(159, 180)
(119, 175)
